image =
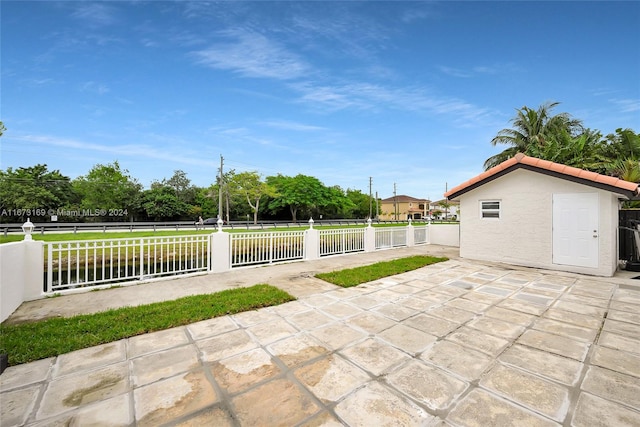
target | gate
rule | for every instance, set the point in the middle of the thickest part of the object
(626, 246)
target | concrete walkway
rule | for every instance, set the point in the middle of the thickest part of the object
(457, 343)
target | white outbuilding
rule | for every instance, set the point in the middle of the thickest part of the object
(532, 212)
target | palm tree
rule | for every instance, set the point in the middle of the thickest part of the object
(532, 131)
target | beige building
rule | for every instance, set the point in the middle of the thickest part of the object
(402, 208)
(537, 213)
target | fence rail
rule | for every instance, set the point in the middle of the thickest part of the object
(76, 264)
(266, 247)
(341, 241)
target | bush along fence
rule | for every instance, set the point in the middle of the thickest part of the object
(32, 270)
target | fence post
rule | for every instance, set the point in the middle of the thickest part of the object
(220, 251)
(369, 237)
(411, 235)
(311, 242)
(33, 269)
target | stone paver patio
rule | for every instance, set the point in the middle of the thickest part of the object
(456, 343)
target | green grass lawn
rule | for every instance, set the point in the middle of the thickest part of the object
(27, 342)
(356, 276)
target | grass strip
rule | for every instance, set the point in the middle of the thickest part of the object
(358, 275)
(27, 342)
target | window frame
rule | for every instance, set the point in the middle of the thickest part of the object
(494, 213)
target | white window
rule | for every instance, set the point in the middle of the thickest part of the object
(490, 209)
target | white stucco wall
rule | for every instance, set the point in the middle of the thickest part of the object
(523, 234)
(21, 275)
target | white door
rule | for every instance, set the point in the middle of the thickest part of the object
(575, 229)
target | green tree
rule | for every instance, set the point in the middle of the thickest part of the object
(160, 203)
(108, 187)
(301, 193)
(253, 190)
(34, 190)
(531, 131)
(2, 128)
(361, 204)
(182, 187)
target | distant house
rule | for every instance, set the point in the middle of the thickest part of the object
(402, 208)
(536, 213)
(444, 209)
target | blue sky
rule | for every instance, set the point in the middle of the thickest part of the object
(409, 93)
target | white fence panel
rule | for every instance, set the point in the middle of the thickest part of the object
(391, 237)
(84, 263)
(420, 236)
(341, 241)
(266, 247)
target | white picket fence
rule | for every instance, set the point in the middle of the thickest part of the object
(32, 269)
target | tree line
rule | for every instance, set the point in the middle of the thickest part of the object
(109, 193)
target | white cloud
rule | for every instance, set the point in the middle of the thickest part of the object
(94, 14)
(253, 55)
(94, 87)
(288, 125)
(627, 105)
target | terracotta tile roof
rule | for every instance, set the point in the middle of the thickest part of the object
(610, 183)
(401, 198)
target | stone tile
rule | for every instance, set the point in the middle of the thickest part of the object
(592, 291)
(365, 301)
(428, 385)
(496, 327)
(407, 339)
(297, 349)
(318, 300)
(556, 344)
(465, 304)
(464, 284)
(25, 374)
(167, 400)
(289, 308)
(17, 405)
(477, 340)
(217, 417)
(592, 411)
(225, 345)
(554, 287)
(573, 318)
(250, 318)
(211, 327)
(374, 356)
(450, 291)
(404, 289)
(323, 419)
(622, 328)
(481, 409)
(431, 325)
(483, 298)
(387, 296)
(429, 295)
(523, 306)
(533, 298)
(580, 308)
(376, 405)
(89, 358)
(623, 306)
(337, 335)
(452, 357)
(565, 329)
(452, 314)
(331, 378)
(624, 316)
(237, 373)
(495, 290)
(616, 360)
(544, 364)
(340, 310)
(370, 322)
(528, 390)
(510, 316)
(113, 412)
(618, 342)
(395, 311)
(152, 367)
(612, 386)
(586, 300)
(417, 303)
(155, 341)
(278, 402)
(73, 391)
(309, 319)
(627, 295)
(269, 332)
